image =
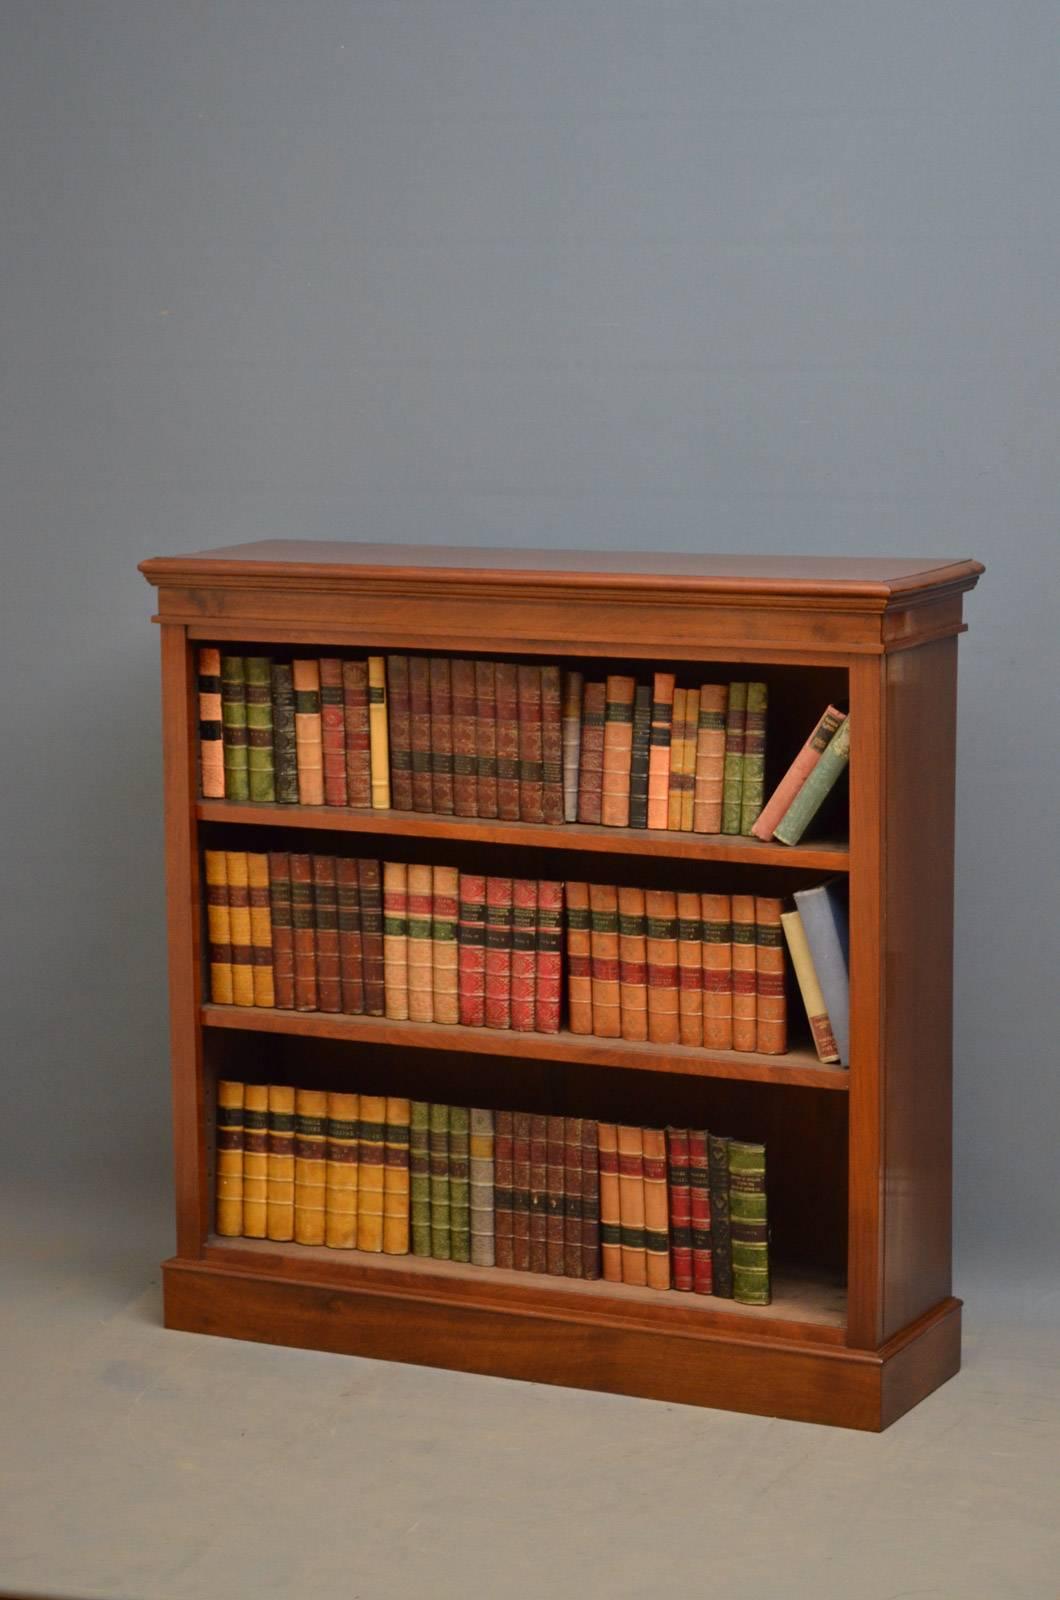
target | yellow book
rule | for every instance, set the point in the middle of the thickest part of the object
(229, 1159)
(255, 1159)
(218, 926)
(371, 1172)
(809, 986)
(280, 1191)
(310, 1165)
(260, 928)
(239, 924)
(344, 1112)
(395, 940)
(396, 1178)
(420, 949)
(378, 735)
(445, 889)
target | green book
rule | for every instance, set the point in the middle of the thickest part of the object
(732, 773)
(752, 796)
(284, 747)
(257, 672)
(748, 1223)
(234, 725)
(460, 1183)
(438, 1144)
(420, 1177)
(822, 780)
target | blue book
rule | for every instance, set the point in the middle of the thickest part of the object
(824, 917)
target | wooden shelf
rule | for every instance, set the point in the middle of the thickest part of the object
(798, 1067)
(659, 844)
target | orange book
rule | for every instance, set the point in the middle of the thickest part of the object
(770, 998)
(689, 970)
(211, 741)
(744, 973)
(420, 948)
(610, 1206)
(632, 964)
(710, 758)
(603, 945)
(371, 1172)
(239, 923)
(395, 940)
(229, 1159)
(396, 1178)
(591, 753)
(661, 948)
(677, 757)
(662, 714)
(260, 929)
(218, 926)
(618, 751)
(255, 1160)
(445, 894)
(656, 1209)
(631, 1205)
(796, 775)
(579, 959)
(688, 760)
(716, 951)
(310, 1165)
(280, 1191)
(308, 733)
(343, 1149)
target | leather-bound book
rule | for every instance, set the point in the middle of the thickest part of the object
(486, 737)
(603, 945)
(229, 1159)
(438, 1139)
(396, 1178)
(333, 731)
(591, 756)
(661, 946)
(590, 1201)
(303, 926)
(579, 959)
(465, 744)
(239, 925)
(420, 944)
(572, 1197)
(571, 718)
(396, 940)
(749, 1223)
(420, 1177)
(716, 949)
(351, 954)
(420, 717)
(357, 734)
(688, 760)
(370, 878)
(732, 774)
(744, 973)
(689, 970)
(819, 784)
(280, 1191)
(720, 1226)
(234, 728)
(507, 723)
(400, 713)
(656, 1209)
(211, 726)
(445, 893)
(441, 735)
(371, 1172)
(680, 1198)
(771, 1006)
(471, 949)
(618, 751)
(218, 927)
(555, 1184)
(255, 1160)
(257, 673)
(503, 1182)
(481, 1152)
(310, 1165)
(662, 716)
(378, 733)
(326, 926)
(633, 963)
(824, 1041)
(538, 1193)
(610, 1203)
(498, 952)
(548, 981)
(631, 1205)
(796, 775)
(754, 756)
(343, 1166)
(284, 735)
(699, 1195)
(639, 757)
(307, 732)
(531, 749)
(710, 758)
(282, 929)
(552, 743)
(524, 955)
(260, 928)
(678, 729)
(521, 1191)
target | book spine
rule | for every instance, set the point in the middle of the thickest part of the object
(396, 1177)
(771, 1006)
(548, 958)
(211, 728)
(819, 784)
(255, 1160)
(420, 1177)
(445, 891)
(632, 964)
(572, 1197)
(720, 1226)
(486, 737)
(471, 950)
(573, 683)
(531, 746)
(310, 1165)
(591, 757)
(716, 948)
(229, 1198)
(239, 923)
(326, 925)
(260, 929)
(481, 1155)
(677, 756)
(420, 716)
(343, 1150)
(689, 970)
(709, 769)
(538, 1194)
(234, 728)
(603, 946)
(579, 960)
(400, 710)
(688, 765)
(662, 716)
(680, 1198)
(521, 1191)
(284, 735)
(396, 940)
(378, 733)
(218, 927)
(503, 1182)
(744, 976)
(465, 761)
(498, 952)
(420, 947)
(303, 929)
(441, 735)
(754, 755)
(809, 987)
(357, 735)
(524, 955)
(618, 751)
(351, 954)
(610, 1203)
(507, 704)
(732, 773)
(371, 1172)
(333, 731)
(661, 945)
(555, 1181)
(552, 744)
(699, 1196)
(280, 1172)
(282, 929)
(590, 1201)
(656, 1209)
(639, 757)
(631, 1205)
(307, 732)
(796, 775)
(459, 1184)
(824, 918)
(749, 1223)
(370, 879)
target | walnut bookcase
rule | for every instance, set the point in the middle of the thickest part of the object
(863, 1324)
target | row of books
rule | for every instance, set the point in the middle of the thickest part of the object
(507, 740)
(564, 1196)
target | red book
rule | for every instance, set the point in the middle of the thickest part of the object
(498, 952)
(531, 757)
(355, 718)
(441, 735)
(371, 885)
(305, 945)
(507, 700)
(521, 1191)
(351, 961)
(282, 929)
(471, 938)
(590, 1201)
(399, 712)
(572, 1198)
(524, 955)
(680, 1197)
(689, 969)
(465, 736)
(326, 918)
(556, 1173)
(549, 957)
(486, 737)
(420, 719)
(538, 1194)
(552, 743)
(591, 759)
(333, 731)
(503, 1150)
(699, 1208)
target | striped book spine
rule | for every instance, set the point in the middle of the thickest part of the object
(307, 732)
(618, 751)
(420, 718)
(371, 1172)
(229, 1159)
(211, 727)
(420, 1177)
(481, 1156)
(754, 756)
(218, 927)
(282, 929)
(378, 733)
(239, 924)
(572, 1197)
(610, 1203)
(498, 974)
(465, 761)
(524, 954)
(591, 757)
(303, 931)
(688, 761)
(680, 1197)
(538, 1193)
(420, 948)
(486, 737)
(260, 928)
(749, 1223)
(603, 947)
(689, 970)
(441, 1227)
(531, 747)
(351, 954)
(590, 1197)
(573, 683)
(356, 736)
(677, 757)
(234, 728)
(503, 1181)
(632, 964)
(471, 949)
(548, 978)
(710, 758)
(370, 879)
(310, 1165)
(819, 784)
(521, 1191)
(796, 775)
(400, 713)
(656, 1209)
(280, 1172)
(771, 1007)
(441, 735)
(396, 940)
(445, 891)
(284, 736)
(662, 716)
(744, 973)
(255, 1160)
(555, 1182)
(326, 927)
(716, 949)
(507, 724)
(639, 757)
(333, 731)
(661, 946)
(343, 1150)
(824, 1041)
(631, 1205)
(579, 959)
(720, 1224)
(699, 1194)
(396, 1177)
(552, 744)
(732, 772)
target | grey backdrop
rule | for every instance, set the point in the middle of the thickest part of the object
(746, 275)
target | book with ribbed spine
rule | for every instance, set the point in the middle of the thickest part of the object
(333, 731)
(396, 1177)
(465, 760)
(420, 721)
(445, 893)
(343, 1166)
(420, 1177)
(720, 1223)
(552, 743)
(521, 1191)
(396, 940)
(716, 949)
(498, 976)
(303, 932)
(471, 949)
(310, 1165)
(284, 735)
(571, 717)
(378, 733)
(503, 1142)
(752, 793)
(688, 760)
(326, 929)
(709, 769)
(732, 772)
(573, 1264)
(374, 965)
(211, 725)
(689, 970)
(825, 775)
(260, 928)
(796, 775)
(486, 737)
(631, 1205)
(603, 947)
(481, 1173)
(280, 1172)
(357, 735)
(441, 735)
(218, 927)
(531, 748)
(234, 728)
(699, 1198)
(438, 1144)
(680, 1201)
(749, 1223)
(639, 756)
(282, 929)
(371, 1172)
(610, 1203)
(351, 953)
(824, 1041)
(663, 982)
(255, 1160)
(744, 973)
(524, 955)
(618, 751)
(659, 750)
(632, 964)
(257, 676)
(506, 700)
(579, 960)
(538, 1193)
(555, 1181)
(400, 715)
(239, 926)
(656, 1209)
(229, 1218)
(307, 732)
(678, 730)
(548, 978)
(771, 1006)
(420, 948)
(824, 914)
(591, 753)
(590, 1198)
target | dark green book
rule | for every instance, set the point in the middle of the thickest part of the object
(750, 1230)
(638, 766)
(257, 673)
(720, 1225)
(420, 1177)
(234, 723)
(459, 1183)
(284, 749)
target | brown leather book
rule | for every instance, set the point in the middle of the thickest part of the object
(333, 731)
(688, 760)
(507, 722)
(218, 926)
(662, 714)
(524, 955)
(573, 683)
(211, 732)
(370, 878)
(303, 925)
(744, 975)
(603, 945)
(260, 928)
(465, 739)
(441, 735)
(396, 940)
(351, 955)
(420, 719)
(396, 1177)
(699, 1204)
(632, 964)
(378, 734)
(326, 925)
(445, 892)
(371, 1164)
(282, 929)
(420, 949)
(710, 758)
(498, 952)
(310, 1165)
(548, 981)
(716, 910)
(610, 1203)
(399, 712)
(631, 1205)
(239, 924)
(618, 751)
(521, 1191)
(538, 1193)
(357, 734)
(680, 1199)
(502, 1188)
(770, 998)
(661, 945)
(552, 743)
(531, 757)
(689, 970)
(590, 1201)
(678, 732)
(343, 1165)
(307, 732)
(556, 1160)
(229, 1159)
(572, 1198)
(471, 949)
(255, 1160)
(486, 737)
(280, 1172)
(579, 959)
(591, 754)
(656, 1209)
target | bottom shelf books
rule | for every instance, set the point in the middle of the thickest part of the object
(565, 1196)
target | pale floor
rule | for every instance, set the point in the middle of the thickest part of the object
(149, 1465)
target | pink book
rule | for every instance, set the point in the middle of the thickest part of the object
(796, 775)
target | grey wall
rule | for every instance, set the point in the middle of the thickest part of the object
(758, 275)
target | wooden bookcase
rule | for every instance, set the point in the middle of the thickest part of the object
(863, 1323)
